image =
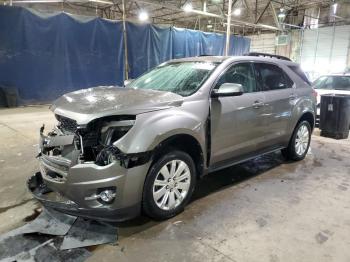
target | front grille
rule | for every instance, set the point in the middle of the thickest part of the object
(67, 124)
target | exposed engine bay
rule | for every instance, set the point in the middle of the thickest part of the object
(70, 144)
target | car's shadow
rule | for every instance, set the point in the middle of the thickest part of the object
(209, 184)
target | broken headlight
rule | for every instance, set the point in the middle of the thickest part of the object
(108, 155)
(114, 130)
(110, 132)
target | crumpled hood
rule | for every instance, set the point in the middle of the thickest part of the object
(88, 104)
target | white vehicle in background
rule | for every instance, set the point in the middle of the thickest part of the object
(331, 84)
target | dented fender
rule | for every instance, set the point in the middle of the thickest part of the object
(152, 128)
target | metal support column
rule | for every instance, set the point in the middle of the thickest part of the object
(332, 47)
(229, 13)
(315, 54)
(301, 45)
(126, 64)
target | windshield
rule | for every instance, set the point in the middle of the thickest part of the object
(333, 83)
(319, 82)
(182, 78)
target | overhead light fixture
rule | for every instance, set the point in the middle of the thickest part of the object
(143, 16)
(281, 14)
(59, 1)
(188, 7)
(37, 1)
(237, 12)
(101, 2)
(334, 8)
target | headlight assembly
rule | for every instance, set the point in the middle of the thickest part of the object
(114, 130)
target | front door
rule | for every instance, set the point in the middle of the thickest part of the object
(237, 122)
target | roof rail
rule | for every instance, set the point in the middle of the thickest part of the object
(267, 55)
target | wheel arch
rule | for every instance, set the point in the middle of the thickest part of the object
(309, 117)
(186, 143)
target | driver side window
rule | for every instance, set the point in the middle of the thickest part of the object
(242, 74)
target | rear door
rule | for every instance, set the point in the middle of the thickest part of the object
(237, 122)
(280, 95)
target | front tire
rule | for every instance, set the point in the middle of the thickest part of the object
(169, 185)
(299, 143)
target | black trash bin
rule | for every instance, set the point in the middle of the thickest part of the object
(3, 100)
(335, 116)
(8, 96)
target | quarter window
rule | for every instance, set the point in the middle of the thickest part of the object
(300, 73)
(242, 74)
(271, 77)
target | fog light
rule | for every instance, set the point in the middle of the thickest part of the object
(107, 195)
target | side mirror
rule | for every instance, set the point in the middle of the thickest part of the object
(128, 81)
(228, 89)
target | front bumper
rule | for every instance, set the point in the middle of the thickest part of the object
(55, 201)
(71, 187)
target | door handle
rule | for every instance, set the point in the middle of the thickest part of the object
(292, 96)
(258, 104)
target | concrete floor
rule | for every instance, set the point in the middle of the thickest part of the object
(262, 210)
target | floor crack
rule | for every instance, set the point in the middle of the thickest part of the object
(4, 209)
(15, 130)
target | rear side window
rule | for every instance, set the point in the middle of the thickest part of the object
(271, 77)
(297, 70)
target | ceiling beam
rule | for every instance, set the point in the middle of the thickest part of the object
(275, 18)
(263, 12)
(234, 21)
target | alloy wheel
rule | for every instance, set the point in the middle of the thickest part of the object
(302, 140)
(171, 185)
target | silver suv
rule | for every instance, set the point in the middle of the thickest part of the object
(118, 151)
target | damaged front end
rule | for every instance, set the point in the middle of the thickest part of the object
(83, 173)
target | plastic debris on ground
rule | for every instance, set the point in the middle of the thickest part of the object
(54, 236)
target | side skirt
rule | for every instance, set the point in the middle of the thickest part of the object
(235, 161)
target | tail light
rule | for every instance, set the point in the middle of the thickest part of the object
(317, 97)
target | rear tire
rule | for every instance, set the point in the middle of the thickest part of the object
(299, 143)
(169, 185)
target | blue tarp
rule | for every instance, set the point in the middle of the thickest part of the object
(150, 45)
(44, 56)
(47, 56)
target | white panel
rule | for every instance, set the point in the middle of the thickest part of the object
(325, 50)
(263, 43)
